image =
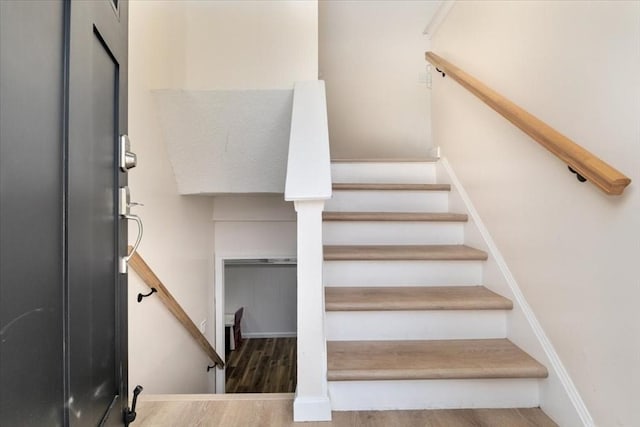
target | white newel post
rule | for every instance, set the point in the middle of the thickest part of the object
(312, 401)
(308, 185)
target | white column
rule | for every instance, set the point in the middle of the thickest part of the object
(312, 400)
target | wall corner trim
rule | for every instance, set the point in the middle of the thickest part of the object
(556, 364)
(438, 18)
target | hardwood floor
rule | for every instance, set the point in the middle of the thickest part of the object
(271, 410)
(262, 365)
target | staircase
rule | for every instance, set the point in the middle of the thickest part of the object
(409, 323)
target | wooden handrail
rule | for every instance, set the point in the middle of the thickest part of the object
(152, 281)
(586, 164)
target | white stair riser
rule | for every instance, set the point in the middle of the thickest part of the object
(402, 273)
(388, 201)
(433, 394)
(415, 325)
(409, 325)
(389, 173)
(391, 232)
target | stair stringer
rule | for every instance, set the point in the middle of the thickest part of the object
(558, 395)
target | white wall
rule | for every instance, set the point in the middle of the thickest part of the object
(371, 57)
(198, 45)
(228, 141)
(267, 293)
(247, 227)
(178, 231)
(254, 226)
(573, 250)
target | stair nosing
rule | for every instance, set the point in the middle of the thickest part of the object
(347, 186)
(399, 160)
(403, 253)
(427, 299)
(444, 368)
(427, 374)
(338, 216)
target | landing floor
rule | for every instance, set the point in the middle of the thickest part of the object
(262, 365)
(276, 410)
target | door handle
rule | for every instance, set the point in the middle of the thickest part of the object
(124, 261)
(125, 213)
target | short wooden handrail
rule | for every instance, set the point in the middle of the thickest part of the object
(152, 281)
(586, 164)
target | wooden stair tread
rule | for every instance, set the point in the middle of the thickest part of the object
(438, 359)
(390, 187)
(400, 160)
(414, 298)
(394, 216)
(402, 252)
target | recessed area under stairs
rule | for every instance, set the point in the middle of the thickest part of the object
(271, 410)
(410, 324)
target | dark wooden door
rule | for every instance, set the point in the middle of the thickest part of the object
(63, 313)
(97, 291)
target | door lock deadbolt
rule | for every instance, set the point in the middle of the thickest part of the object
(128, 159)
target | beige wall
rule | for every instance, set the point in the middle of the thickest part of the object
(371, 57)
(250, 44)
(232, 45)
(573, 250)
(162, 356)
(195, 45)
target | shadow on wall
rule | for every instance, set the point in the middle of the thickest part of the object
(227, 141)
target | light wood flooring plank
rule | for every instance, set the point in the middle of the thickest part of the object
(279, 413)
(414, 298)
(403, 252)
(395, 216)
(436, 359)
(390, 187)
(406, 160)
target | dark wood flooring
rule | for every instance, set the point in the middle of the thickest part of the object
(262, 365)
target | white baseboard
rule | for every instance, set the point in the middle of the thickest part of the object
(559, 384)
(311, 408)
